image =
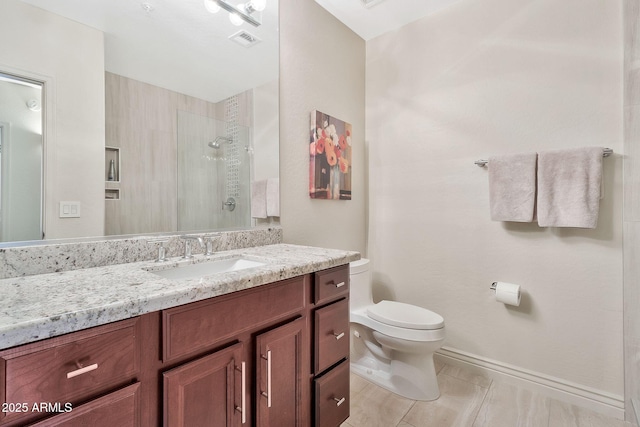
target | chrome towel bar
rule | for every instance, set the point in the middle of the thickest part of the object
(606, 152)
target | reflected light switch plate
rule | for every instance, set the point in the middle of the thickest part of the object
(69, 209)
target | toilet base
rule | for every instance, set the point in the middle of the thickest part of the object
(399, 377)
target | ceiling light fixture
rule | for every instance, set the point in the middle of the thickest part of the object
(238, 14)
(211, 6)
(370, 3)
(147, 7)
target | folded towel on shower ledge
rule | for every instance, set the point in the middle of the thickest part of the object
(259, 199)
(273, 197)
(512, 187)
(569, 183)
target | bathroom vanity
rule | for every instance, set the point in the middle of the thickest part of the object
(249, 350)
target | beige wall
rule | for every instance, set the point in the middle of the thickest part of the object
(632, 208)
(70, 59)
(321, 67)
(489, 77)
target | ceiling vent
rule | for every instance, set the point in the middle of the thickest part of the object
(370, 3)
(245, 38)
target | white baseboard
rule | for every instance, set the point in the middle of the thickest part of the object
(597, 400)
(636, 411)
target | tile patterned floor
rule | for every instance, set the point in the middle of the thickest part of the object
(467, 400)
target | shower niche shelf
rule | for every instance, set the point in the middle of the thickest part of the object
(112, 194)
(112, 154)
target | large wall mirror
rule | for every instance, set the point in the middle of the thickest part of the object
(154, 116)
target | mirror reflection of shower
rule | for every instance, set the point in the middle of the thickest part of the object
(216, 142)
(218, 152)
(209, 170)
(21, 158)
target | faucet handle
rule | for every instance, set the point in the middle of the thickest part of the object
(162, 252)
(209, 243)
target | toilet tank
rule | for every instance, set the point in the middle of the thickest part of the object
(360, 284)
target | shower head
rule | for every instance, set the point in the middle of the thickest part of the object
(216, 142)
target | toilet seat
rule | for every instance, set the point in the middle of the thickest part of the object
(362, 317)
(405, 315)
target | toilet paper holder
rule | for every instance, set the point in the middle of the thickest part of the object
(507, 293)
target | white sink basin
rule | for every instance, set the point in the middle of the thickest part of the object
(192, 271)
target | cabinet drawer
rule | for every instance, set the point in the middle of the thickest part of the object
(331, 284)
(71, 367)
(331, 335)
(119, 408)
(201, 325)
(332, 396)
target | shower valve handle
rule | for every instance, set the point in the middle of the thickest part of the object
(230, 204)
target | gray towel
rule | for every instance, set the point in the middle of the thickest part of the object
(569, 187)
(273, 197)
(512, 187)
(259, 199)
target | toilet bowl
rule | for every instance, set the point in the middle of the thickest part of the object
(392, 342)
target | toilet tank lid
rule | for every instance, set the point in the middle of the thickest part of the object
(405, 315)
(359, 266)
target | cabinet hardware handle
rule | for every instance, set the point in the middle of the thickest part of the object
(267, 394)
(337, 285)
(243, 401)
(339, 401)
(82, 371)
(338, 336)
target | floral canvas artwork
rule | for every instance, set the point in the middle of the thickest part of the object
(330, 158)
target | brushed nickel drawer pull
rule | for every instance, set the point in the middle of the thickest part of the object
(337, 285)
(267, 394)
(82, 371)
(339, 401)
(244, 392)
(338, 336)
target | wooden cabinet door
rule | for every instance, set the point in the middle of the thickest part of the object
(279, 376)
(208, 392)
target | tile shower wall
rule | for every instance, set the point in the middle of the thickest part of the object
(141, 119)
(490, 77)
(632, 208)
(204, 174)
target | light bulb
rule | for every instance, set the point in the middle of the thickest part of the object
(258, 5)
(33, 105)
(235, 18)
(211, 6)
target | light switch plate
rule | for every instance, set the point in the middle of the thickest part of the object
(69, 209)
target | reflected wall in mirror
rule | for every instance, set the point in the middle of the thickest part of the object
(117, 75)
(21, 149)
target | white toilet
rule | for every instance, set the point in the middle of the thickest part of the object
(392, 342)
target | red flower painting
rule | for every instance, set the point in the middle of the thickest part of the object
(330, 158)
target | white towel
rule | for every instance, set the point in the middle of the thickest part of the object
(569, 187)
(259, 199)
(273, 197)
(512, 187)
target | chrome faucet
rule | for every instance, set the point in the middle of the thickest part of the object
(209, 243)
(187, 244)
(162, 251)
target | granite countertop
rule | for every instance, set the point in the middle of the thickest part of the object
(46, 305)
